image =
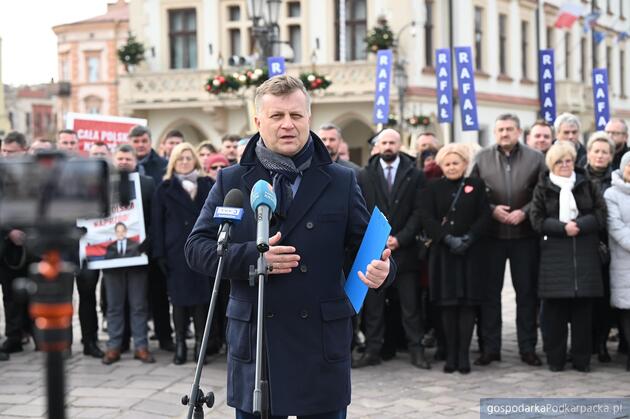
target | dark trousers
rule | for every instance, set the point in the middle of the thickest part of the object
(408, 286)
(523, 256)
(458, 323)
(87, 281)
(624, 326)
(339, 414)
(603, 318)
(199, 314)
(556, 314)
(159, 304)
(14, 310)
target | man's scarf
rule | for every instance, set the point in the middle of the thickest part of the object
(284, 171)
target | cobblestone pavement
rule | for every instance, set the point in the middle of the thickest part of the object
(391, 390)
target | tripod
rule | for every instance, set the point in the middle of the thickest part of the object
(197, 398)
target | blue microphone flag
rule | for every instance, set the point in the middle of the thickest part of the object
(262, 194)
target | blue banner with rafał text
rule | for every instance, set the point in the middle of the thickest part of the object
(466, 88)
(444, 85)
(381, 91)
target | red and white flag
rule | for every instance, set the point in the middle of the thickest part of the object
(568, 14)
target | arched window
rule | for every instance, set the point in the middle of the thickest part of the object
(93, 104)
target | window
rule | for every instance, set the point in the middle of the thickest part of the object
(183, 38)
(583, 64)
(567, 56)
(621, 9)
(235, 42)
(549, 37)
(27, 121)
(295, 40)
(93, 68)
(293, 9)
(234, 13)
(502, 44)
(356, 29)
(524, 49)
(93, 105)
(428, 35)
(622, 73)
(65, 68)
(478, 38)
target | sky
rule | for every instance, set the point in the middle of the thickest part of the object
(29, 46)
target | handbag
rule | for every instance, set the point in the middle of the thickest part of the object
(424, 241)
(604, 253)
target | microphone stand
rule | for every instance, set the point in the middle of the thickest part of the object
(197, 399)
(261, 385)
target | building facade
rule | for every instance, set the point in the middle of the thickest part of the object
(88, 62)
(190, 40)
(5, 125)
(30, 110)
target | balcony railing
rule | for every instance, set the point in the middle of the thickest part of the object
(185, 88)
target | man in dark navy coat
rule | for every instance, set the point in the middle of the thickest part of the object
(320, 215)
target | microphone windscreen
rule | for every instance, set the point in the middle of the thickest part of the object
(262, 194)
(234, 199)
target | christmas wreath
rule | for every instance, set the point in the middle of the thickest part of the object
(379, 37)
(223, 84)
(315, 81)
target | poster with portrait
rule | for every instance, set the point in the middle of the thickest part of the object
(118, 240)
(111, 130)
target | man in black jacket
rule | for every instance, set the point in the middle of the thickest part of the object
(617, 130)
(152, 165)
(332, 138)
(392, 183)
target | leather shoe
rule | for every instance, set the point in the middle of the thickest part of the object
(144, 355)
(485, 359)
(448, 369)
(11, 346)
(602, 354)
(582, 368)
(464, 370)
(111, 356)
(530, 358)
(167, 345)
(4, 356)
(366, 360)
(91, 348)
(418, 359)
(555, 368)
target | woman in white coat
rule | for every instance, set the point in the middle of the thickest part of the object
(618, 202)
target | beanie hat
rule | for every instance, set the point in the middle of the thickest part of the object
(624, 161)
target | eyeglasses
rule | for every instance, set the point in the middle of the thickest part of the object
(616, 133)
(565, 162)
(216, 167)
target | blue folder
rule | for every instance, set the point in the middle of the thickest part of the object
(372, 246)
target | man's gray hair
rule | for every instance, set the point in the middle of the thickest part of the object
(328, 126)
(281, 86)
(509, 117)
(566, 118)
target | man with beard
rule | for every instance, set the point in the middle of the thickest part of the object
(617, 130)
(331, 136)
(392, 183)
(510, 170)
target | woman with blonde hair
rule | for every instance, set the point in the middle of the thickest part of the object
(455, 214)
(568, 213)
(176, 205)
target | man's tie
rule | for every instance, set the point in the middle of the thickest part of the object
(120, 248)
(389, 178)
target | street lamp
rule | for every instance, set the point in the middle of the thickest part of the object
(264, 25)
(401, 79)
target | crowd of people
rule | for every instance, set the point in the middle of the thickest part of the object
(555, 208)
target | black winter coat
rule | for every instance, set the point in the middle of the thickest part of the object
(456, 279)
(174, 215)
(400, 207)
(154, 166)
(569, 266)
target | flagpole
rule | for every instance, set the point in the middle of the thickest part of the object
(593, 41)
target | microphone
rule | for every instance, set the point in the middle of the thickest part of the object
(263, 202)
(231, 212)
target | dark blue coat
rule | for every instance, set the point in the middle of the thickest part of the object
(154, 166)
(173, 217)
(308, 327)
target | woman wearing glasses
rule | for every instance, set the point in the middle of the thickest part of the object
(176, 205)
(568, 212)
(214, 163)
